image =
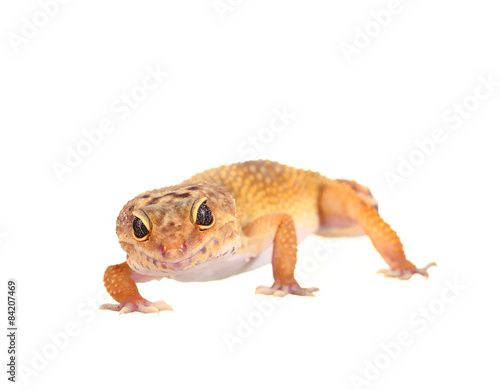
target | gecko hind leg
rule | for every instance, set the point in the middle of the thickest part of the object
(389, 245)
(346, 206)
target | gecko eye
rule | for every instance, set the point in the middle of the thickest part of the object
(141, 225)
(204, 215)
(201, 214)
(140, 230)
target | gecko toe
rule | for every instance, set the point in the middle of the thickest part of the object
(265, 290)
(162, 306)
(281, 290)
(423, 271)
(405, 274)
(125, 309)
(308, 291)
(140, 307)
(110, 306)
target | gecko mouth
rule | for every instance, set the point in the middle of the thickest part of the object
(147, 262)
(178, 265)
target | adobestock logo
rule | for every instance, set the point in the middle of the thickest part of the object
(265, 306)
(222, 7)
(419, 321)
(122, 106)
(453, 117)
(30, 27)
(363, 36)
(254, 144)
(59, 340)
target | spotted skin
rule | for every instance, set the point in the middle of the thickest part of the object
(259, 208)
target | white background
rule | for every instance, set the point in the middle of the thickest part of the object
(225, 77)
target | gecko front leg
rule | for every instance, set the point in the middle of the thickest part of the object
(120, 282)
(277, 229)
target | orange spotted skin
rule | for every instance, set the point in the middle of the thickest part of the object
(254, 208)
(265, 187)
(117, 280)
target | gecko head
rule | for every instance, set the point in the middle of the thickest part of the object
(176, 228)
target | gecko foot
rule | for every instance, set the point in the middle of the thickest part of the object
(405, 274)
(280, 290)
(141, 307)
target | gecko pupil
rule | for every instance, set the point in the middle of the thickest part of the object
(204, 216)
(139, 229)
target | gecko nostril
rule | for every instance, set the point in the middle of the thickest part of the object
(163, 250)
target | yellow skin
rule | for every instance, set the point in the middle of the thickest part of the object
(260, 211)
